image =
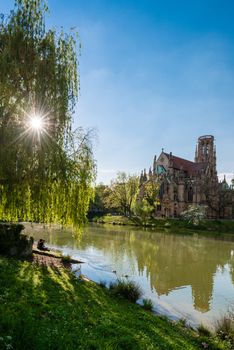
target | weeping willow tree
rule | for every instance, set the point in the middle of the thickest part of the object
(46, 169)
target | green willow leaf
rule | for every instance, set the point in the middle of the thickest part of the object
(45, 175)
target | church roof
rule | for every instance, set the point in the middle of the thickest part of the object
(186, 165)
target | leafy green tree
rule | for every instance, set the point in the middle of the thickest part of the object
(124, 190)
(148, 200)
(100, 202)
(46, 170)
(143, 210)
(151, 192)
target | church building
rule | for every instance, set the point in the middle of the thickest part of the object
(184, 183)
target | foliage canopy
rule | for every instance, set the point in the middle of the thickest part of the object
(123, 193)
(45, 174)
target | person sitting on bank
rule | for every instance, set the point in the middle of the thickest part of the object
(41, 245)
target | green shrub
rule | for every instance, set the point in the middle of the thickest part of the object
(126, 289)
(182, 322)
(66, 258)
(13, 242)
(202, 330)
(102, 284)
(147, 304)
(225, 327)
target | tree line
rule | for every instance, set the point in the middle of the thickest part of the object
(126, 196)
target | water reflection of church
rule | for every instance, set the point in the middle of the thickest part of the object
(169, 261)
(182, 261)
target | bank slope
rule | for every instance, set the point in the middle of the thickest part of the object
(44, 308)
(176, 225)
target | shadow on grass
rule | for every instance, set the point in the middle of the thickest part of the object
(44, 308)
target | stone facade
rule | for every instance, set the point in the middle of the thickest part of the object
(184, 183)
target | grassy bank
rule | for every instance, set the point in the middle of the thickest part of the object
(218, 226)
(44, 308)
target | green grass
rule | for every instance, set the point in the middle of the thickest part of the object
(115, 220)
(202, 330)
(225, 326)
(66, 258)
(126, 289)
(41, 308)
(212, 226)
(147, 304)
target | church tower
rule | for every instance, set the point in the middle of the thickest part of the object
(206, 153)
(205, 150)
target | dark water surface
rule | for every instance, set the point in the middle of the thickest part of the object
(186, 276)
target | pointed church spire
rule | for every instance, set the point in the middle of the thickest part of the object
(150, 172)
(170, 160)
(232, 183)
(141, 178)
(196, 155)
(155, 165)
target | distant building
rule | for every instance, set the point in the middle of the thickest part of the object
(184, 183)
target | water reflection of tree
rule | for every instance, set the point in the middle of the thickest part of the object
(169, 261)
(232, 265)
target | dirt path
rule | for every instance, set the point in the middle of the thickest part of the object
(52, 258)
(49, 261)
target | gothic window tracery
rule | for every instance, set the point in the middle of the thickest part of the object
(161, 191)
(190, 194)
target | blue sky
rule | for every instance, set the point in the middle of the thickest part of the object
(153, 74)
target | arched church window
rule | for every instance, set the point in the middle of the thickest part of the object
(203, 149)
(167, 188)
(161, 192)
(190, 194)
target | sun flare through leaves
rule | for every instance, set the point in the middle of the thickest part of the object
(46, 169)
(36, 122)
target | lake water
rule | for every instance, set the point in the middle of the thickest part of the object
(186, 276)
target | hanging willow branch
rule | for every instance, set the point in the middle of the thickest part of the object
(44, 176)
